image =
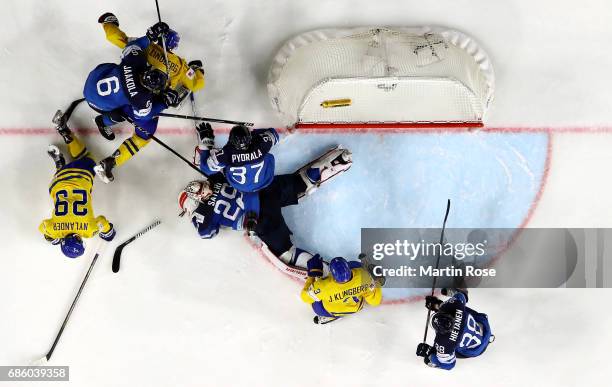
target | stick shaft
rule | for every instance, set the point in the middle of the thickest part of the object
(163, 38)
(433, 286)
(158, 13)
(193, 107)
(160, 142)
(186, 117)
(76, 298)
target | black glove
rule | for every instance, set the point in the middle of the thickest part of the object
(424, 350)
(250, 221)
(157, 30)
(206, 135)
(432, 303)
(380, 279)
(55, 241)
(315, 266)
(171, 98)
(108, 18)
(196, 65)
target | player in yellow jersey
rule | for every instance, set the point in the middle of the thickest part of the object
(72, 218)
(342, 293)
(138, 89)
(182, 74)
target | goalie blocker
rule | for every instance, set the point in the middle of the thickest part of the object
(213, 203)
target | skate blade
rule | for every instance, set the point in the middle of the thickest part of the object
(58, 118)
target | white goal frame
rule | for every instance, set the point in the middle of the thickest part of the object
(379, 77)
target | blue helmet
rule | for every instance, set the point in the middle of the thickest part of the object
(172, 40)
(72, 246)
(340, 270)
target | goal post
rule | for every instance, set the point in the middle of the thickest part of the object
(375, 77)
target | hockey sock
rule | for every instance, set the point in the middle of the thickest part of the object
(129, 148)
(77, 149)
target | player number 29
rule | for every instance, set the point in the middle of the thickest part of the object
(107, 86)
(78, 206)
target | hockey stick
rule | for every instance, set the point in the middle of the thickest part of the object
(193, 107)
(119, 249)
(433, 286)
(218, 120)
(47, 357)
(163, 144)
(160, 142)
(61, 118)
(163, 39)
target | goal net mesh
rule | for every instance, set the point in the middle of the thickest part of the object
(386, 76)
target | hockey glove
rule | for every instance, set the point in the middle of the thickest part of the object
(196, 65)
(250, 222)
(206, 135)
(315, 266)
(379, 279)
(108, 18)
(55, 241)
(109, 235)
(432, 303)
(424, 350)
(156, 31)
(171, 98)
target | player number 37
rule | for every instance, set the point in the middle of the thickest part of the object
(240, 173)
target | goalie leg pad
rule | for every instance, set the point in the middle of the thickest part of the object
(299, 258)
(330, 164)
(296, 257)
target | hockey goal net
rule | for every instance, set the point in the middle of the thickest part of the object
(381, 77)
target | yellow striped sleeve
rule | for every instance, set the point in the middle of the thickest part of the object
(115, 35)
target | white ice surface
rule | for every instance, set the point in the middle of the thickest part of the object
(186, 312)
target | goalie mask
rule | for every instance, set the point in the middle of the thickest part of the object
(192, 195)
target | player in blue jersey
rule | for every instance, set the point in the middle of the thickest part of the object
(213, 203)
(130, 90)
(245, 160)
(461, 332)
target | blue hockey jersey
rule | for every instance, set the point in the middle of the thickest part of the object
(116, 87)
(469, 336)
(249, 170)
(226, 207)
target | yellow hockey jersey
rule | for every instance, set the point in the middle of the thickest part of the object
(73, 213)
(340, 299)
(180, 73)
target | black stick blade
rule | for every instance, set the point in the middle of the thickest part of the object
(117, 257)
(119, 249)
